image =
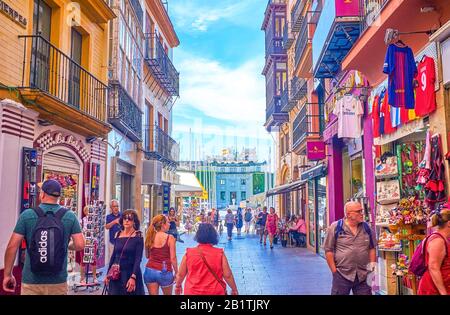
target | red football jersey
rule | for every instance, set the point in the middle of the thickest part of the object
(425, 95)
(376, 117)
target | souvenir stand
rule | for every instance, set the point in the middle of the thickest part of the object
(95, 242)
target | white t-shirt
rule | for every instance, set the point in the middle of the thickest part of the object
(349, 111)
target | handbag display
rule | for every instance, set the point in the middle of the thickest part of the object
(388, 192)
(114, 271)
(388, 168)
(211, 271)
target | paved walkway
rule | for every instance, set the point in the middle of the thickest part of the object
(259, 270)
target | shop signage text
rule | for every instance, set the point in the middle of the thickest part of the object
(51, 139)
(315, 150)
(13, 14)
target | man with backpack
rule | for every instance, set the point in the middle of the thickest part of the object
(47, 231)
(350, 250)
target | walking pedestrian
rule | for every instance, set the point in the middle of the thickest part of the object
(174, 224)
(127, 254)
(229, 221)
(298, 231)
(239, 221)
(160, 249)
(349, 248)
(261, 223)
(436, 279)
(205, 267)
(41, 277)
(271, 226)
(112, 224)
(248, 219)
(216, 217)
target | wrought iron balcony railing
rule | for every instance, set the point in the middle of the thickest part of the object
(300, 45)
(299, 88)
(138, 10)
(309, 122)
(124, 114)
(274, 107)
(288, 37)
(161, 65)
(370, 12)
(53, 72)
(159, 145)
(297, 18)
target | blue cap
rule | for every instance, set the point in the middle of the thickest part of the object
(51, 187)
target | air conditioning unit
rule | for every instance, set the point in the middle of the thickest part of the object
(151, 172)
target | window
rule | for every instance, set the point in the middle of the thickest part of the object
(243, 195)
(233, 197)
(243, 169)
(222, 182)
(243, 182)
(222, 195)
(233, 170)
(222, 169)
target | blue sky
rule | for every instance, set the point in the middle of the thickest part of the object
(222, 91)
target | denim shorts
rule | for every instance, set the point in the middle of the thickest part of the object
(163, 278)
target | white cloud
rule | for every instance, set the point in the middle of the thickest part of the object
(236, 95)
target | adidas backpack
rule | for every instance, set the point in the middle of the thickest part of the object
(47, 249)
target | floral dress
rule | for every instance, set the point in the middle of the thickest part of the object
(272, 220)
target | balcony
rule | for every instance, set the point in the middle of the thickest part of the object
(297, 17)
(160, 146)
(301, 44)
(274, 46)
(286, 101)
(124, 114)
(337, 31)
(309, 124)
(299, 88)
(138, 10)
(274, 115)
(161, 66)
(371, 12)
(288, 37)
(61, 90)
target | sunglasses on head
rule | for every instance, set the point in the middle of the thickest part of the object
(128, 217)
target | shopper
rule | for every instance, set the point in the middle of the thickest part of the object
(51, 278)
(271, 226)
(216, 218)
(160, 249)
(349, 250)
(83, 266)
(248, 219)
(229, 221)
(112, 223)
(174, 224)
(261, 223)
(205, 267)
(436, 279)
(298, 232)
(128, 248)
(239, 221)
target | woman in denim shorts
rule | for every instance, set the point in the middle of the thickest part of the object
(162, 260)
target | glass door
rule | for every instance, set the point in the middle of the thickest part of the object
(311, 213)
(40, 52)
(321, 194)
(74, 69)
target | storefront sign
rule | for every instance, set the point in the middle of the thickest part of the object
(401, 132)
(316, 171)
(315, 150)
(51, 139)
(12, 14)
(347, 7)
(166, 197)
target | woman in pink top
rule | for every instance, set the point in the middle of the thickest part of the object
(205, 267)
(272, 225)
(299, 232)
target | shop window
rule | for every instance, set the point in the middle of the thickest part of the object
(357, 176)
(243, 182)
(243, 195)
(312, 221)
(222, 196)
(222, 182)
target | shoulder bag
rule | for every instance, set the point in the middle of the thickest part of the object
(211, 271)
(114, 271)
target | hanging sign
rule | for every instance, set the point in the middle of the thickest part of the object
(347, 7)
(315, 150)
(50, 139)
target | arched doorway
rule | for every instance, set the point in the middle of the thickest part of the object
(286, 197)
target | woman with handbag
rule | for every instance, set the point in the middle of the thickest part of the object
(160, 249)
(205, 267)
(124, 273)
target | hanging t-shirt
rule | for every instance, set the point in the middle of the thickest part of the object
(385, 114)
(399, 64)
(376, 116)
(425, 95)
(349, 110)
(395, 116)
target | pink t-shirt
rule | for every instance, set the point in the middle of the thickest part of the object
(300, 226)
(349, 111)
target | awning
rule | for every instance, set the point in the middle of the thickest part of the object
(286, 188)
(189, 185)
(316, 171)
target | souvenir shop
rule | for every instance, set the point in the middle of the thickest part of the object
(410, 162)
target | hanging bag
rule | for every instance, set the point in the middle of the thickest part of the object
(211, 271)
(114, 271)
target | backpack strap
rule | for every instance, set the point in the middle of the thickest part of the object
(369, 232)
(40, 213)
(339, 229)
(60, 213)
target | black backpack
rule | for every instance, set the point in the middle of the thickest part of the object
(47, 249)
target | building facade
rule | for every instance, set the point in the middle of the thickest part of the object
(53, 76)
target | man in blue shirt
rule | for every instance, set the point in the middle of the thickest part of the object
(112, 223)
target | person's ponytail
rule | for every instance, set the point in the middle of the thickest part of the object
(155, 226)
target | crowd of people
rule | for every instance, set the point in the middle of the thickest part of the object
(350, 248)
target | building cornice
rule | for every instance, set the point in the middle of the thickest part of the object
(164, 22)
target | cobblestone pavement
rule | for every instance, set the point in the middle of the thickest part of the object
(259, 270)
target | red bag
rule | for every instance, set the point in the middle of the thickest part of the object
(114, 271)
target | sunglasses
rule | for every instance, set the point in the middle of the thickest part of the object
(128, 217)
(359, 211)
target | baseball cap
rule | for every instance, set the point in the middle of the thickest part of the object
(51, 187)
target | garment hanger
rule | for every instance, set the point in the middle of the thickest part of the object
(423, 58)
(400, 42)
